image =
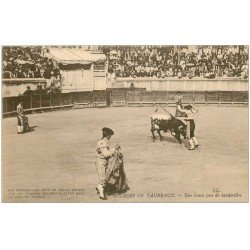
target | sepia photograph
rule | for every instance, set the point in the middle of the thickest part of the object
(125, 123)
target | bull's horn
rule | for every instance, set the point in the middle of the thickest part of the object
(180, 127)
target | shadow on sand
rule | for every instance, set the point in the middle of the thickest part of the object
(167, 139)
(32, 129)
(172, 140)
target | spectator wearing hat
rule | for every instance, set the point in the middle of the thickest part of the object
(104, 153)
(27, 91)
(179, 74)
(178, 97)
(47, 75)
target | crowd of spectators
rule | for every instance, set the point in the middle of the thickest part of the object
(177, 61)
(42, 90)
(136, 61)
(28, 62)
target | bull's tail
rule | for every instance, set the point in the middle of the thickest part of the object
(156, 110)
(152, 121)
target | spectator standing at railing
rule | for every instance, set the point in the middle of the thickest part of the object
(27, 92)
(170, 72)
(37, 73)
(147, 70)
(132, 73)
(178, 98)
(244, 70)
(47, 76)
(179, 74)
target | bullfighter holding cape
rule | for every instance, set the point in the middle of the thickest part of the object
(109, 166)
(187, 113)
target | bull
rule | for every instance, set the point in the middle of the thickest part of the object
(168, 123)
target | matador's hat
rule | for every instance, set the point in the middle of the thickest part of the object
(108, 131)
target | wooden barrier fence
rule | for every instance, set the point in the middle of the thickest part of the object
(120, 97)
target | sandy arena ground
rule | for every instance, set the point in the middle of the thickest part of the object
(60, 154)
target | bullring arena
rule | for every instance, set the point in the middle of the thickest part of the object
(55, 162)
(60, 153)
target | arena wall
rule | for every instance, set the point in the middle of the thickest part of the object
(17, 86)
(144, 92)
(184, 84)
